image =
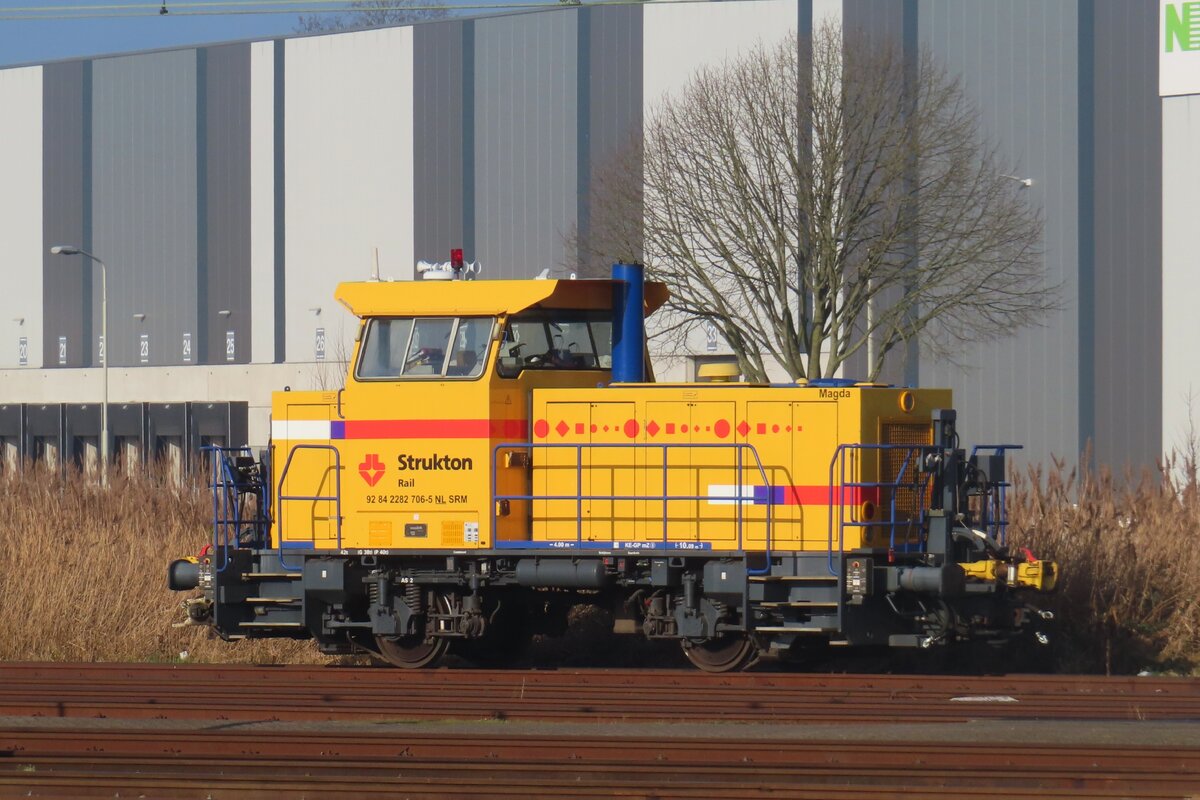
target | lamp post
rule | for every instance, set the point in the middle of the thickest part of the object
(67, 250)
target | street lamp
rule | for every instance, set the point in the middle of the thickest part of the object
(67, 250)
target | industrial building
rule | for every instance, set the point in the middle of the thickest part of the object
(229, 188)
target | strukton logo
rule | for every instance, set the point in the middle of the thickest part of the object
(371, 469)
(436, 461)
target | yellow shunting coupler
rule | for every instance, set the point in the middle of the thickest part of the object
(500, 451)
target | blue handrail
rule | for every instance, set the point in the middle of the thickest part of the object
(838, 465)
(226, 490)
(994, 514)
(579, 497)
(336, 497)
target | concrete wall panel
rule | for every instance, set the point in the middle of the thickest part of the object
(349, 186)
(715, 33)
(679, 39)
(262, 202)
(21, 246)
(1180, 276)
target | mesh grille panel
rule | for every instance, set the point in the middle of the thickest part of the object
(910, 498)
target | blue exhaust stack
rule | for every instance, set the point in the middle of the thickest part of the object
(629, 324)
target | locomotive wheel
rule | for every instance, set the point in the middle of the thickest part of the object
(723, 654)
(415, 650)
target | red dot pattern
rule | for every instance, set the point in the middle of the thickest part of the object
(722, 428)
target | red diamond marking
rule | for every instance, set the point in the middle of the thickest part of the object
(562, 427)
(652, 428)
(541, 428)
(743, 427)
(789, 428)
(606, 429)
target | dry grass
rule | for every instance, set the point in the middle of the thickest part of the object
(83, 570)
(1129, 596)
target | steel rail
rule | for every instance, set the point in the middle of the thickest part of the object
(639, 766)
(247, 693)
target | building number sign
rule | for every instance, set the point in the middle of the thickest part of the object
(187, 348)
(230, 346)
(144, 348)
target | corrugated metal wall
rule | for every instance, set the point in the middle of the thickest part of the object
(1019, 62)
(66, 213)
(525, 139)
(223, 262)
(144, 203)
(251, 178)
(443, 106)
(1126, 344)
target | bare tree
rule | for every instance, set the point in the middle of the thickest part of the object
(820, 201)
(369, 14)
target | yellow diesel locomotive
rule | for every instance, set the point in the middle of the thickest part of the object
(500, 452)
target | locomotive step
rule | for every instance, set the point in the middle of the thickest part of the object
(799, 604)
(793, 578)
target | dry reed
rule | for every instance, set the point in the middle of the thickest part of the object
(83, 569)
(1129, 595)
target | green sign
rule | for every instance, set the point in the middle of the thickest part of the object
(1182, 26)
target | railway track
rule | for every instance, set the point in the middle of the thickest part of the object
(319, 693)
(70, 730)
(503, 765)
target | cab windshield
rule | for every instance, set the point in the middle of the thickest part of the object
(400, 348)
(548, 339)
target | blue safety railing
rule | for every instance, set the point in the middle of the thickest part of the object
(335, 498)
(993, 516)
(909, 477)
(738, 498)
(230, 488)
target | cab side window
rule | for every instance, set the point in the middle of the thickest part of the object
(384, 347)
(398, 348)
(556, 340)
